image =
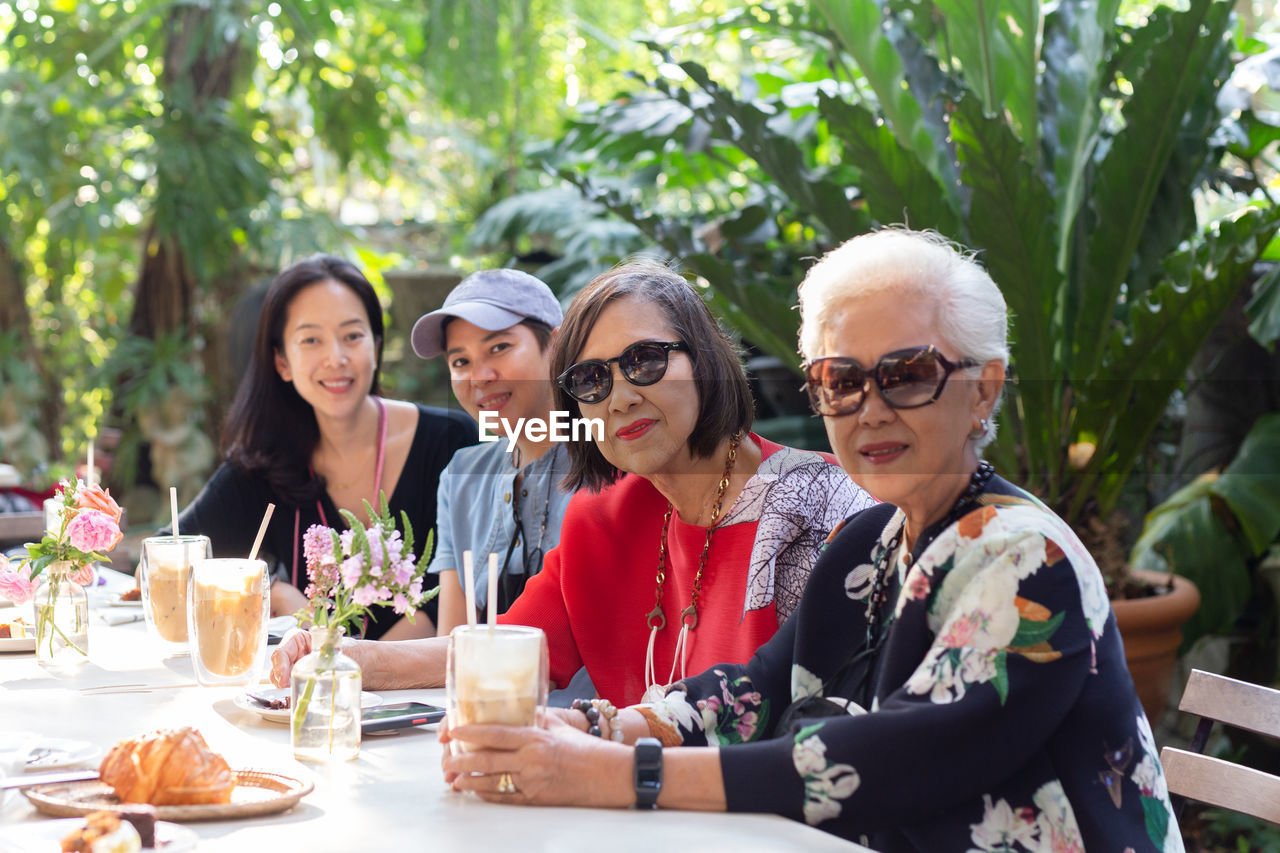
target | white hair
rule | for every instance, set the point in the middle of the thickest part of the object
(972, 316)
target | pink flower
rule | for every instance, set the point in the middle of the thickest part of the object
(918, 584)
(15, 584)
(96, 497)
(365, 595)
(352, 569)
(82, 576)
(961, 631)
(402, 571)
(92, 530)
(401, 604)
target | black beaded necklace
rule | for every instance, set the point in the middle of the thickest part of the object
(879, 589)
(819, 705)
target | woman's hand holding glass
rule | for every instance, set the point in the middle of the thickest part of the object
(553, 766)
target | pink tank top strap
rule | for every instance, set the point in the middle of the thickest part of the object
(377, 483)
(382, 447)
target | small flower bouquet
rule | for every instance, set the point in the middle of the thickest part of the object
(349, 574)
(88, 528)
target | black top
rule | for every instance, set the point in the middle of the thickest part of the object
(229, 508)
(1001, 713)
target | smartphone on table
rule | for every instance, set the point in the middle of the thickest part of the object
(399, 715)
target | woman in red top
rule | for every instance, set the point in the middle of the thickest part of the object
(690, 538)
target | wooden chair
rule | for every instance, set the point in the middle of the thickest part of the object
(1215, 698)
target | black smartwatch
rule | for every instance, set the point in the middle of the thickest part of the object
(648, 772)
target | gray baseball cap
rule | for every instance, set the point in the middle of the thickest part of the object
(492, 300)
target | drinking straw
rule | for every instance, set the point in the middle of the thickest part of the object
(173, 509)
(89, 475)
(469, 587)
(493, 590)
(262, 531)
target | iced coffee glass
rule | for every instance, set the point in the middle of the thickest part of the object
(496, 676)
(163, 576)
(228, 602)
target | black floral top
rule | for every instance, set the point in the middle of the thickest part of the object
(1001, 714)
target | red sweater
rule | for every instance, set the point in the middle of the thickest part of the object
(596, 588)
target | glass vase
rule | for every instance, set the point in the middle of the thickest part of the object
(325, 723)
(62, 619)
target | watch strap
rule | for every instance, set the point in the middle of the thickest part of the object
(648, 772)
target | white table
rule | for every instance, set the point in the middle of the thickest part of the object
(392, 797)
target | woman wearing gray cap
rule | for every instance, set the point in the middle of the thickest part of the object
(500, 497)
(309, 433)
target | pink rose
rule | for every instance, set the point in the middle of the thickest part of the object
(82, 576)
(15, 584)
(96, 497)
(92, 530)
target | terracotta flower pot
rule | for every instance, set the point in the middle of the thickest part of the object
(1151, 628)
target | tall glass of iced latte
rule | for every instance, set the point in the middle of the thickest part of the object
(166, 568)
(496, 676)
(229, 601)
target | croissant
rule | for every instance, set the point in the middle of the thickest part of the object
(167, 767)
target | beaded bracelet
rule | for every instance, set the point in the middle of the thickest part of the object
(594, 710)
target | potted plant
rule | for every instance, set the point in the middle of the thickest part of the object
(1063, 145)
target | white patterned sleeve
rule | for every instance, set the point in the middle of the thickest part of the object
(805, 504)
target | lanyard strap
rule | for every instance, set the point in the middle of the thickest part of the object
(377, 483)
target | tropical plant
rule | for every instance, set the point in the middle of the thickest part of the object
(1214, 529)
(1067, 148)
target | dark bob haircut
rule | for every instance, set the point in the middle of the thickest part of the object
(271, 431)
(724, 399)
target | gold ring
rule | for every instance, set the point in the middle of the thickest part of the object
(505, 785)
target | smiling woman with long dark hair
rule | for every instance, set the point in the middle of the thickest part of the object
(308, 432)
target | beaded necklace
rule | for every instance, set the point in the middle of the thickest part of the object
(879, 589)
(819, 705)
(654, 619)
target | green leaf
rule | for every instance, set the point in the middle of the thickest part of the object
(1186, 535)
(1133, 167)
(777, 155)
(1008, 220)
(1000, 681)
(1263, 308)
(996, 44)
(1157, 817)
(1250, 485)
(807, 731)
(1076, 40)
(1148, 360)
(895, 183)
(1032, 633)
(407, 536)
(882, 49)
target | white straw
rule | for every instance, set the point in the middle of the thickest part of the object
(89, 476)
(469, 587)
(173, 509)
(493, 589)
(262, 531)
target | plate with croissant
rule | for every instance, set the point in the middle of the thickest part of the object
(175, 771)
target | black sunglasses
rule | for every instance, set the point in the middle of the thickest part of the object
(907, 379)
(642, 363)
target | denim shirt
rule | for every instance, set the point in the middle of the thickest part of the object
(474, 510)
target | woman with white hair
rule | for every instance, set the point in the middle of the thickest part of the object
(952, 678)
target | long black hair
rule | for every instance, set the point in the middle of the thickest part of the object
(271, 431)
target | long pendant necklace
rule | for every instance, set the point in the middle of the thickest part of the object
(655, 620)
